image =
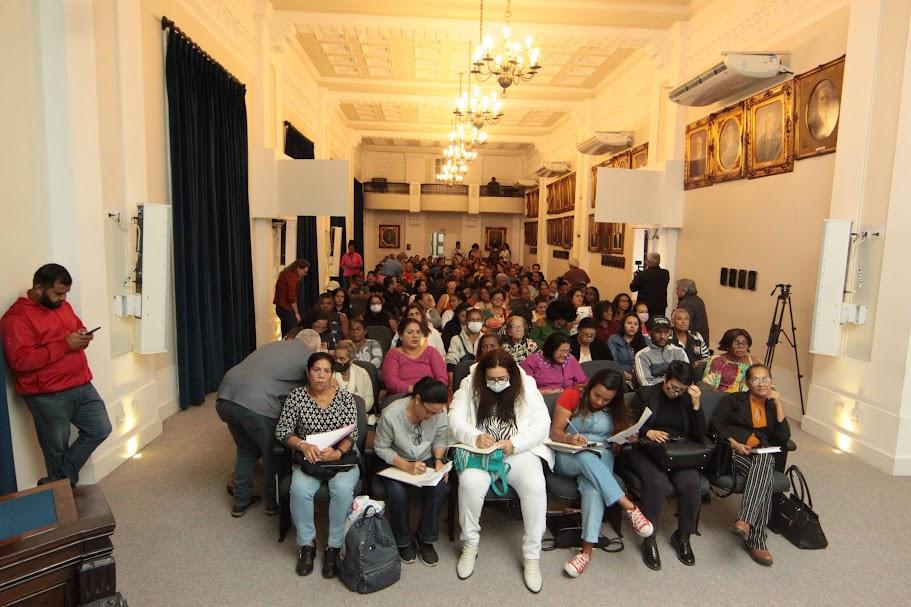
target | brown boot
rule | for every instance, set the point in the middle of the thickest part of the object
(763, 557)
(741, 530)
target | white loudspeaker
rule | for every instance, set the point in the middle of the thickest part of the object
(154, 224)
(830, 287)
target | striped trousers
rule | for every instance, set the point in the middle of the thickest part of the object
(757, 495)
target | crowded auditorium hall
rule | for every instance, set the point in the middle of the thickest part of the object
(474, 300)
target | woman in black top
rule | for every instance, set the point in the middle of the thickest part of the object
(595, 349)
(750, 420)
(676, 412)
(377, 315)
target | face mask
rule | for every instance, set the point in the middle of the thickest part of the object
(497, 387)
(643, 316)
(474, 327)
(342, 367)
(376, 308)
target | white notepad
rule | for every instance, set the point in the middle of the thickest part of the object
(430, 477)
(324, 440)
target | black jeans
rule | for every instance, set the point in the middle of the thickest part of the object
(687, 487)
(53, 414)
(397, 508)
(287, 318)
(254, 435)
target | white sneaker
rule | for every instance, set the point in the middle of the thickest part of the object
(465, 566)
(531, 571)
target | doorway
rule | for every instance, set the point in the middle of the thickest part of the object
(437, 246)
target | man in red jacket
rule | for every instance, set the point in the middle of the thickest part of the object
(44, 342)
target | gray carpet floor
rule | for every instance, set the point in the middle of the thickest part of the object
(176, 544)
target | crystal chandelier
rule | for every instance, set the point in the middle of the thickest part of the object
(512, 63)
(477, 109)
(452, 173)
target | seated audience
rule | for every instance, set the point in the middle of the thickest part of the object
(554, 368)
(748, 420)
(523, 305)
(318, 320)
(456, 324)
(319, 407)
(626, 343)
(726, 372)
(641, 310)
(593, 415)
(432, 337)
(592, 296)
(404, 365)
(483, 300)
(517, 342)
(412, 436)
(539, 313)
(365, 349)
(394, 294)
(605, 324)
(464, 346)
(495, 316)
(338, 322)
(691, 341)
(377, 315)
(457, 299)
(622, 305)
(585, 344)
(689, 300)
(676, 414)
(349, 376)
(652, 362)
(576, 297)
(342, 302)
(427, 302)
(496, 406)
(559, 314)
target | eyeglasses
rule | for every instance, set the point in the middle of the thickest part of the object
(418, 435)
(740, 344)
(497, 380)
(675, 389)
(756, 381)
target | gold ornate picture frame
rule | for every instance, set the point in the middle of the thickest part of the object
(697, 165)
(494, 238)
(639, 156)
(616, 236)
(390, 236)
(770, 131)
(621, 160)
(727, 144)
(818, 109)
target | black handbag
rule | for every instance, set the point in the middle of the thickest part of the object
(678, 453)
(793, 516)
(722, 464)
(566, 532)
(326, 470)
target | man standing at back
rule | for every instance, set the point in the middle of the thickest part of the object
(44, 342)
(575, 275)
(651, 285)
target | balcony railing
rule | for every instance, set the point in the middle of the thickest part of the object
(459, 189)
(386, 187)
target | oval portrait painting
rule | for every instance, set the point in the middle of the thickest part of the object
(390, 237)
(729, 144)
(823, 109)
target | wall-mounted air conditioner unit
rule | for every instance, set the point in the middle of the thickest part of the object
(736, 75)
(554, 169)
(604, 142)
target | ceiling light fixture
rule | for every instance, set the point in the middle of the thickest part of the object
(475, 108)
(512, 63)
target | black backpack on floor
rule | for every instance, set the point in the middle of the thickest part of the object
(371, 560)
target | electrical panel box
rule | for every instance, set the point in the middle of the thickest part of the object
(830, 288)
(152, 276)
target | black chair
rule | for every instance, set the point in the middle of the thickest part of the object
(726, 482)
(374, 379)
(382, 335)
(593, 366)
(391, 398)
(322, 496)
(461, 371)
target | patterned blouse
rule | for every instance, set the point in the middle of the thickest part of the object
(497, 428)
(521, 350)
(369, 352)
(726, 376)
(301, 415)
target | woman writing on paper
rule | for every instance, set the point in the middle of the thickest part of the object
(592, 415)
(498, 406)
(411, 435)
(312, 409)
(748, 420)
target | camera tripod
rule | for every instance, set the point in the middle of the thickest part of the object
(782, 303)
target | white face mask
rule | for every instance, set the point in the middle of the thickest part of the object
(376, 308)
(496, 386)
(643, 316)
(475, 326)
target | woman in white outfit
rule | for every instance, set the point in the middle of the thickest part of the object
(501, 406)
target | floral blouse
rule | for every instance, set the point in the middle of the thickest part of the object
(301, 415)
(521, 350)
(726, 376)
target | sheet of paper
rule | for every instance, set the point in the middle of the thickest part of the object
(430, 478)
(324, 440)
(566, 448)
(620, 437)
(473, 448)
(765, 450)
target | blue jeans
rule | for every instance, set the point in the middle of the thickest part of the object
(595, 478)
(53, 414)
(341, 494)
(254, 436)
(397, 507)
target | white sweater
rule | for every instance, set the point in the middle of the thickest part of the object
(358, 383)
(532, 420)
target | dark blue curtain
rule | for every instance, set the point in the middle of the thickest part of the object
(339, 222)
(296, 144)
(213, 267)
(309, 287)
(7, 465)
(359, 218)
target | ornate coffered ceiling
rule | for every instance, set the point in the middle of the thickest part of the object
(393, 67)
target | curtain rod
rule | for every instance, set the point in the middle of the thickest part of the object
(167, 24)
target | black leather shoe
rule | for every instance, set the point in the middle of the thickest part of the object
(684, 550)
(650, 555)
(238, 511)
(305, 560)
(330, 562)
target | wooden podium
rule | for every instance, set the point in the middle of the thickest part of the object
(61, 553)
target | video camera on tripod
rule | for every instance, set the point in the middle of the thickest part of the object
(781, 302)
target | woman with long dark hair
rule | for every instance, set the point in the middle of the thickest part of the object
(622, 305)
(626, 342)
(499, 408)
(592, 415)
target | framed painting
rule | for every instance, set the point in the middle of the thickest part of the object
(696, 160)
(494, 238)
(621, 160)
(566, 232)
(390, 237)
(727, 144)
(639, 156)
(594, 242)
(770, 131)
(818, 103)
(616, 235)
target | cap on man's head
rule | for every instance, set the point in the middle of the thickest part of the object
(574, 262)
(659, 322)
